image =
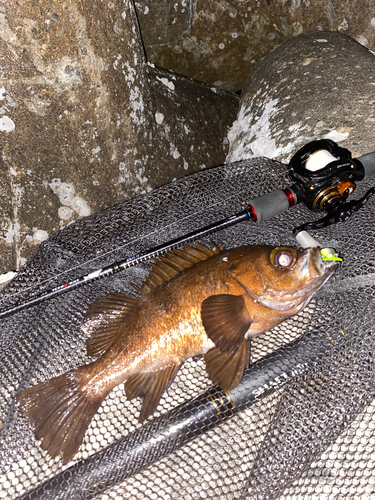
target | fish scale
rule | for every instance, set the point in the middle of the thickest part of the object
(195, 301)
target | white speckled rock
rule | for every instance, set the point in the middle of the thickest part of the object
(227, 37)
(164, 21)
(86, 123)
(313, 86)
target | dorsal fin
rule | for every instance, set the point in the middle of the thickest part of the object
(174, 262)
(103, 319)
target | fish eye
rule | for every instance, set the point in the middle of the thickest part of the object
(284, 257)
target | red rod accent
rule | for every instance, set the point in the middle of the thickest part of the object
(290, 195)
(251, 209)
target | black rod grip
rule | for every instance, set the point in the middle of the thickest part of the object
(368, 162)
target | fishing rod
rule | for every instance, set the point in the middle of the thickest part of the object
(164, 434)
(324, 176)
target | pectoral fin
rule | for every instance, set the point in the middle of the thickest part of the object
(150, 386)
(226, 369)
(226, 320)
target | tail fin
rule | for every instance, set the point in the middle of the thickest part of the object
(60, 413)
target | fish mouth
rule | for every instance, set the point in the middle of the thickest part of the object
(324, 267)
(286, 302)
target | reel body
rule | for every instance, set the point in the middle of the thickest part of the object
(328, 175)
(327, 172)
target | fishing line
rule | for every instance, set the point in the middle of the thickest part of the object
(277, 176)
(323, 187)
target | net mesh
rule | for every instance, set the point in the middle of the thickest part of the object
(312, 437)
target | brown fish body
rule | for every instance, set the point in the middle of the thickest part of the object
(164, 328)
(194, 302)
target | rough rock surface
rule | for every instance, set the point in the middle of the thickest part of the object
(163, 21)
(86, 123)
(313, 86)
(228, 37)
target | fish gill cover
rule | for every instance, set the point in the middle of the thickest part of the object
(311, 435)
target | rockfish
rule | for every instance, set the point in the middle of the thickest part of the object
(195, 301)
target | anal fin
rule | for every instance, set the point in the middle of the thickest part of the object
(226, 369)
(150, 386)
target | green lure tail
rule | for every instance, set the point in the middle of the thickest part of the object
(330, 254)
